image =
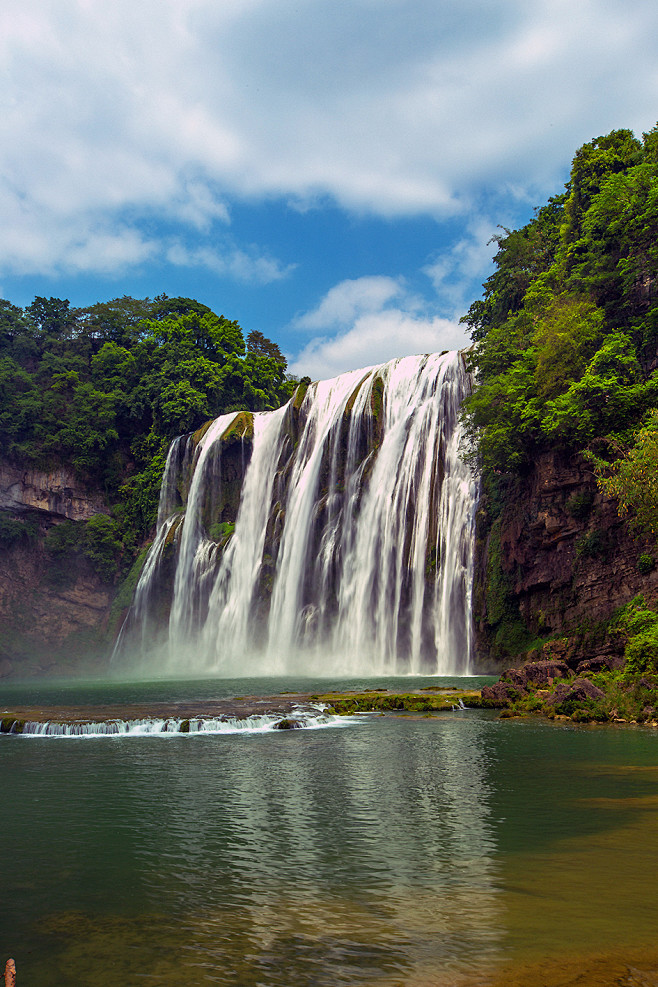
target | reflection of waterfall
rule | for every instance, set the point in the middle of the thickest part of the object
(375, 846)
(346, 542)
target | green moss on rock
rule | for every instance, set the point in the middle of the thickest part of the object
(377, 398)
(241, 429)
(200, 432)
(300, 393)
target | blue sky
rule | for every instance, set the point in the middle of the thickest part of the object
(330, 173)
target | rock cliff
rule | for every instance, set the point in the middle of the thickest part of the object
(54, 613)
(554, 561)
(57, 492)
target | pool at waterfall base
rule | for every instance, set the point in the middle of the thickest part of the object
(448, 849)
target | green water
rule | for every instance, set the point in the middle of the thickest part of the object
(104, 692)
(391, 851)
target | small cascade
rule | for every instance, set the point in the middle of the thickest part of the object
(310, 718)
(334, 535)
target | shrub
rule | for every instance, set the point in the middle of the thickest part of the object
(12, 531)
(592, 545)
(645, 564)
(102, 545)
(221, 531)
(580, 504)
(64, 538)
(642, 651)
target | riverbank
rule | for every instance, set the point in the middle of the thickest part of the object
(597, 691)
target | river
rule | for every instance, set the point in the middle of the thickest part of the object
(455, 849)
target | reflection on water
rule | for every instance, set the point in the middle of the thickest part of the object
(103, 692)
(367, 855)
(398, 851)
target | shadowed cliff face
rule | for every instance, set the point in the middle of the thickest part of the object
(52, 615)
(57, 492)
(557, 561)
(54, 611)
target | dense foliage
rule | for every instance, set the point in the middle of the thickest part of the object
(105, 388)
(566, 335)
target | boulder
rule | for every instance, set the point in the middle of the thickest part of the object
(500, 693)
(602, 663)
(580, 690)
(537, 673)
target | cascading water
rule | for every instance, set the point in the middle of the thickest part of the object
(334, 535)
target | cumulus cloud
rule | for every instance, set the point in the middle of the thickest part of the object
(373, 320)
(349, 300)
(454, 271)
(241, 265)
(115, 116)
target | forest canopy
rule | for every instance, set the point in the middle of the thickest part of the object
(105, 388)
(566, 335)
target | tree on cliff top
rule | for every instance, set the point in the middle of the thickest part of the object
(105, 388)
(567, 330)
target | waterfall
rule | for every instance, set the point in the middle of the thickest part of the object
(334, 535)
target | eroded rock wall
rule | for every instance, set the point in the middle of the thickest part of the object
(56, 492)
(53, 614)
(53, 617)
(556, 560)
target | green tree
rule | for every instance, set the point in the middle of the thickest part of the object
(633, 479)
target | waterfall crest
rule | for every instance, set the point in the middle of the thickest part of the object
(334, 535)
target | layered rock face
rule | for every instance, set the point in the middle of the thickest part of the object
(57, 492)
(51, 615)
(558, 555)
(48, 619)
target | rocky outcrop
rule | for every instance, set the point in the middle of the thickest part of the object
(581, 691)
(557, 560)
(57, 492)
(53, 612)
(52, 616)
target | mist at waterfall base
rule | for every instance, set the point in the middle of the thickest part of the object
(349, 552)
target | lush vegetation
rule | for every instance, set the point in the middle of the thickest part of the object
(565, 347)
(622, 687)
(104, 389)
(566, 335)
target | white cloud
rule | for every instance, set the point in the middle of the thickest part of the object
(116, 116)
(239, 264)
(348, 300)
(376, 338)
(454, 272)
(370, 328)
